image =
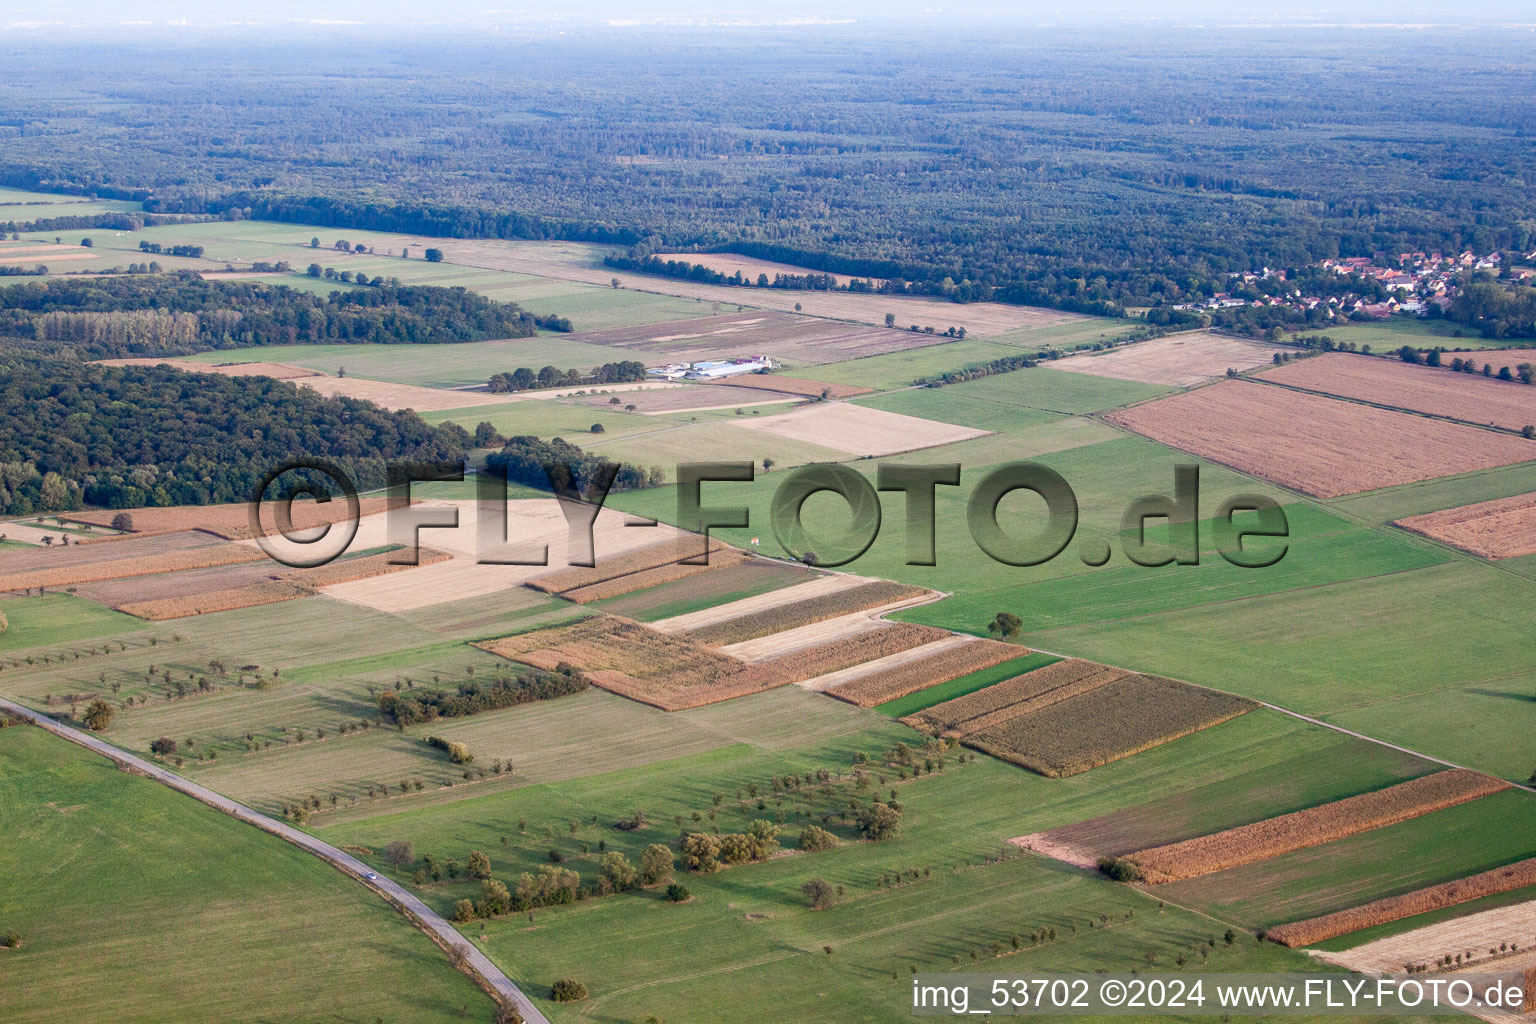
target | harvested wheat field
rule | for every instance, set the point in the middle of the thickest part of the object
(652, 556)
(55, 256)
(137, 565)
(1479, 933)
(1321, 446)
(646, 578)
(1110, 722)
(659, 669)
(815, 587)
(534, 524)
(938, 663)
(128, 546)
(387, 395)
(1503, 528)
(781, 384)
(280, 371)
(840, 653)
(1312, 826)
(689, 398)
(799, 340)
(1469, 397)
(804, 612)
(1395, 908)
(232, 522)
(215, 600)
(1177, 360)
(1035, 689)
(860, 430)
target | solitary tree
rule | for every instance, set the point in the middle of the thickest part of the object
(818, 893)
(656, 864)
(1005, 625)
(122, 521)
(399, 853)
(98, 715)
(434, 255)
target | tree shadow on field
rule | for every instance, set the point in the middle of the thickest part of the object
(1528, 698)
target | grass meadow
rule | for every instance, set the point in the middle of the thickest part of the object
(135, 903)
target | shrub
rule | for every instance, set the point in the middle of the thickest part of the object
(479, 865)
(656, 864)
(879, 821)
(815, 838)
(1120, 869)
(567, 990)
(458, 753)
(678, 893)
(98, 715)
(164, 746)
(616, 872)
(463, 911)
(12, 940)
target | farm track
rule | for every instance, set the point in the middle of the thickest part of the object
(439, 930)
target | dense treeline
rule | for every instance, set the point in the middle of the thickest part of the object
(1498, 311)
(150, 435)
(178, 314)
(967, 165)
(532, 461)
(525, 379)
(475, 695)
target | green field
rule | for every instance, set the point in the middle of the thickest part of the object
(962, 685)
(60, 619)
(749, 926)
(1387, 335)
(1427, 850)
(135, 903)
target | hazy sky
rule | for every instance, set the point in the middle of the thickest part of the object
(21, 14)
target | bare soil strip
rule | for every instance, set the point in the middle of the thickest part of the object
(1503, 528)
(1321, 446)
(1312, 826)
(817, 587)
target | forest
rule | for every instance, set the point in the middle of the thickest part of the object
(968, 165)
(123, 437)
(181, 313)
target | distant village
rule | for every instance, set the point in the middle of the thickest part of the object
(1416, 283)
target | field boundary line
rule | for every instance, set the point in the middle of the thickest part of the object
(478, 966)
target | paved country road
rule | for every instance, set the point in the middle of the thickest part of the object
(396, 894)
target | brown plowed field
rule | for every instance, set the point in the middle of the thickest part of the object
(692, 398)
(634, 581)
(141, 565)
(120, 546)
(803, 613)
(781, 384)
(649, 557)
(661, 669)
(1438, 391)
(1178, 360)
(215, 600)
(232, 522)
(1503, 528)
(1321, 446)
(836, 655)
(1395, 908)
(1426, 945)
(951, 663)
(1313, 826)
(1116, 720)
(1057, 680)
(798, 340)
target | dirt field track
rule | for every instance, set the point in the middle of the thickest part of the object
(860, 430)
(1179, 360)
(1503, 528)
(1472, 398)
(1321, 446)
(798, 340)
(1477, 932)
